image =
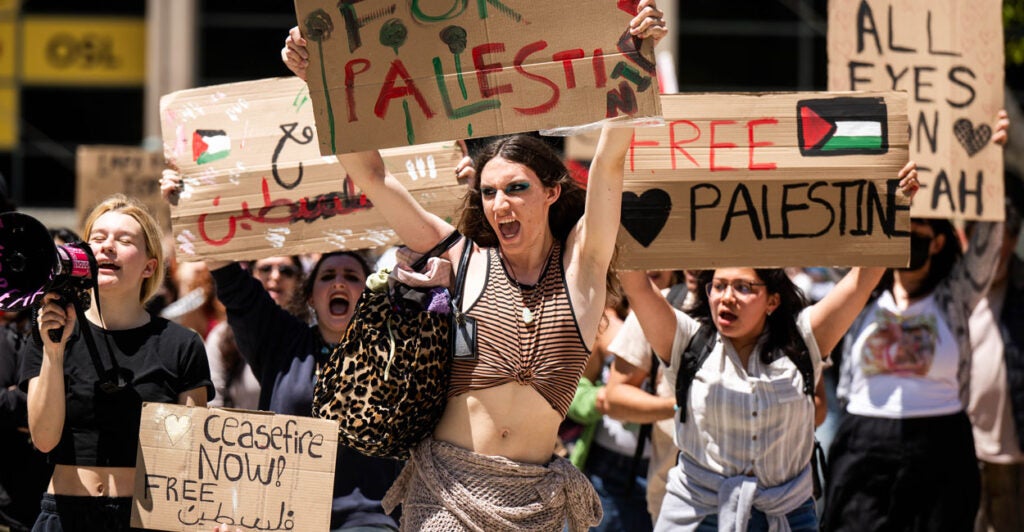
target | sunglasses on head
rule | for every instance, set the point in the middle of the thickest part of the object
(284, 270)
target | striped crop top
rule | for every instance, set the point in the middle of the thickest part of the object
(548, 353)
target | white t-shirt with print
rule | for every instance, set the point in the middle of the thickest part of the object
(906, 362)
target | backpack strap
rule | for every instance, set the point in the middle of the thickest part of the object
(806, 369)
(698, 350)
(693, 358)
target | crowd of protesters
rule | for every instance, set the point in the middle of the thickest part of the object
(688, 402)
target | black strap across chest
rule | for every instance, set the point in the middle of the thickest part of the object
(700, 347)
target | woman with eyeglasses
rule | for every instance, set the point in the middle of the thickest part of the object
(903, 457)
(237, 386)
(745, 426)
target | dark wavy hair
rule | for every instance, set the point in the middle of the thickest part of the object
(783, 334)
(305, 291)
(538, 156)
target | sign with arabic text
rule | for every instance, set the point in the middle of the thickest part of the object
(202, 467)
(255, 184)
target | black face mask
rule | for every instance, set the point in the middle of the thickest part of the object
(919, 248)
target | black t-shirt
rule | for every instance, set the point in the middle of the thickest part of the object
(101, 428)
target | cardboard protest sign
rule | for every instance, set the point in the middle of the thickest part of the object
(200, 467)
(768, 180)
(105, 170)
(948, 55)
(385, 74)
(255, 184)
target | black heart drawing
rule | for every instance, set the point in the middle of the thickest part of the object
(973, 140)
(645, 215)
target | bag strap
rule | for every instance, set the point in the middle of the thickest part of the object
(460, 276)
(803, 364)
(696, 353)
(819, 469)
(440, 248)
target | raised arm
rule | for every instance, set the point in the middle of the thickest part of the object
(592, 239)
(656, 316)
(971, 277)
(294, 55)
(419, 230)
(604, 188)
(835, 313)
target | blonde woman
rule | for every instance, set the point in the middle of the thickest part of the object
(84, 410)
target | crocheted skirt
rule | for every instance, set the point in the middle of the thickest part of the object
(444, 487)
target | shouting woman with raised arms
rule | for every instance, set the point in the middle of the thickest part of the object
(536, 284)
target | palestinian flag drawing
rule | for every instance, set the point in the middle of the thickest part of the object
(842, 126)
(209, 145)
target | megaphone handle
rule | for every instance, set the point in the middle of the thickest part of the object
(58, 333)
(55, 334)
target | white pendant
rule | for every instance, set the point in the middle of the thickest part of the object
(527, 316)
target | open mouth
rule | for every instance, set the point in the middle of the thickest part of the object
(726, 317)
(108, 266)
(509, 229)
(338, 305)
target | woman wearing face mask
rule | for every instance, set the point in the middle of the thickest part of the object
(903, 457)
(745, 426)
(87, 417)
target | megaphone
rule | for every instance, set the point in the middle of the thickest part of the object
(32, 265)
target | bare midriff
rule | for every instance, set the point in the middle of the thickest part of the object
(511, 420)
(92, 481)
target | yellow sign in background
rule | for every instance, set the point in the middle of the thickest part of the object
(7, 50)
(8, 93)
(8, 118)
(9, 7)
(83, 51)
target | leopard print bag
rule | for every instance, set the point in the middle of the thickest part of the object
(387, 381)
